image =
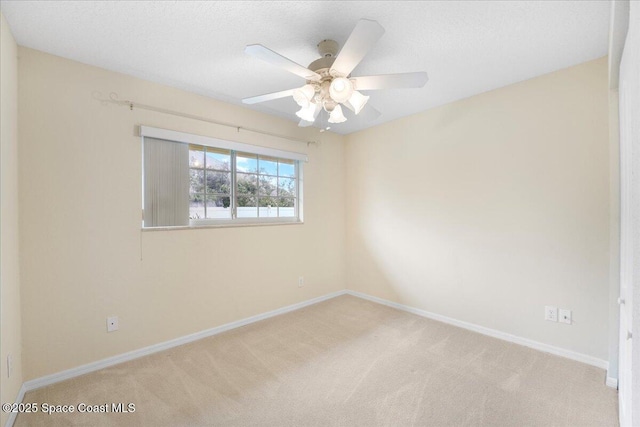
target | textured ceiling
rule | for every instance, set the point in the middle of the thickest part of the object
(467, 47)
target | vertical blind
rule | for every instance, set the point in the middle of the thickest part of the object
(166, 183)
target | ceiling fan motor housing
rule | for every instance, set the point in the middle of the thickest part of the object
(328, 49)
(322, 64)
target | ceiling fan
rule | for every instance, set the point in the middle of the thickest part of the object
(329, 82)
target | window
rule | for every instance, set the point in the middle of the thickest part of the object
(209, 183)
(188, 183)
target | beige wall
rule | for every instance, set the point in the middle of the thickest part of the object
(10, 333)
(83, 254)
(487, 209)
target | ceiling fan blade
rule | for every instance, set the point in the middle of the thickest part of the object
(305, 124)
(362, 38)
(367, 114)
(268, 97)
(391, 81)
(266, 54)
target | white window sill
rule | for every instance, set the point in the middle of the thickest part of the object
(229, 225)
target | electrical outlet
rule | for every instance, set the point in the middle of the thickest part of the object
(112, 323)
(565, 316)
(300, 281)
(9, 365)
(550, 313)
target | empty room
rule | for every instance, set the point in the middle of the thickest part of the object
(320, 213)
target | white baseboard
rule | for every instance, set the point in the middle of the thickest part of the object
(19, 398)
(612, 382)
(590, 360)
(114, 360)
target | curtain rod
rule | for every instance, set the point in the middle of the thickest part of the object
(113, 98)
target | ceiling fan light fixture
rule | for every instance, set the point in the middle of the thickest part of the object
(304, 95)
(358, 101)
(341, 89)
(336, 115)
(308, 113)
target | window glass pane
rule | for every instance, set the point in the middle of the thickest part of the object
(246, 162)
(247, 183)
(247, 207)
(286, 207)
(268, 165)
(218, 207)
(196, 156)
(218, 159)
(268, 185)
(196, 206)
(196, 180)
(218, 182)
(268, 207)
(286, 168)
(287, 187)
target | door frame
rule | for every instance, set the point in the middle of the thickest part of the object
(629, 108)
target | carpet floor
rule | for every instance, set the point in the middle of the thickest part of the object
(342, 362)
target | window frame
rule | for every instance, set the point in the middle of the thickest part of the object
(234, 148)
(196, 222)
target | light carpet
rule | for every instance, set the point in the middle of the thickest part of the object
(343, 362)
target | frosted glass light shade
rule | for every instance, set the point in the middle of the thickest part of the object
(336, 115)
(358, 101)
(304, 95)
(341, 89)
(328, 105)
(307, 113)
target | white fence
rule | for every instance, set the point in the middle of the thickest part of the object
(243, 212)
